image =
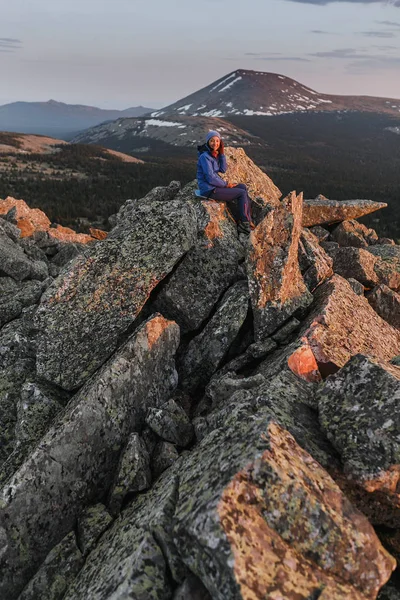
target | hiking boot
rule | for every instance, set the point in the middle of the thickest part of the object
(244, 227)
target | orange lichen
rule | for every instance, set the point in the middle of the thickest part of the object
(303, 364)
(155, 329)
(353, 566)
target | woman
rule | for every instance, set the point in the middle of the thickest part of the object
(212, 161)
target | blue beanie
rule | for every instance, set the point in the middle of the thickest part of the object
(211, 134)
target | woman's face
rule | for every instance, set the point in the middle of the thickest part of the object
(214, 143)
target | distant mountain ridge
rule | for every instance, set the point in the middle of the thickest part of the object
(58, 119)
(257, 93)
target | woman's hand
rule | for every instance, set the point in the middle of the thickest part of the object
(230, 185)
(221, 149)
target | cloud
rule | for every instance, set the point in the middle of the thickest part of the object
(339, 53)
(321, 31)
(263, 54)
(388, 23)
(9, 44)
(325, 2)
(378, 34)
(360, 62)
(290, 58)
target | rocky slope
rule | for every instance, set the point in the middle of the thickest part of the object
(190, 414)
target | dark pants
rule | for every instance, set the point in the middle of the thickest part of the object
(237, 199)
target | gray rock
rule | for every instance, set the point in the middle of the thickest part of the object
(352, 233)
(389, 592)
(130, 559)
(32, 250)
(197, 283)
(67, 253)
(205, 352)
(10, 230)
(356, 286)
(191, 589)
(171, 423)
(355, 263)
(321, 233)
(164, 456)
(16, 295)
(92, 523)
(386, 303)
(14, 261)
(74, 463)
(387, 266)
(133, 473)
(315, 263)
(220, 390)
(284, 332)
(358, 411)
(85, 311)
(58, 570)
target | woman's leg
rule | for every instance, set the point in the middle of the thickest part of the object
(239, 193)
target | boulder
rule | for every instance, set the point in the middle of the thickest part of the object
(131, 558)
(257, 517)
(277, 289)
(386, 303)
(27, 219)
(14, 261)
(75, 461)
(387, 266)
(85, 311)
(340, 325)
(389, 592)
(10, 230)
(356, 286)
(17, 295)
(315, 263)
(321, 233)
(171, 423)
(92, 523)
(355, 263)
(191, 292)
(322, 211)
(191, 589)
(56, 573)
(352, 233)
(164, 456)
(358, 412)
(206, 351)
(133, 473)
(241, 169)
(67, 253)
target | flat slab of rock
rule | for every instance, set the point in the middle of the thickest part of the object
(358, 410)
(207, 270)
(77, 458)
(82, 315)
(386, 303)
(340, 325)
(277, 288)
(322, 211)
(252, 506)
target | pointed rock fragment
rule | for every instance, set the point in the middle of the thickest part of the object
(277, 289)
(315, 263)
(322, 211)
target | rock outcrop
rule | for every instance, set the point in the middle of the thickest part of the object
(190, 414)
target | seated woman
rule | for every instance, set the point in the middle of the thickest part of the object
(212, 161)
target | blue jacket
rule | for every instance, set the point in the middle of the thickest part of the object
(208, 168)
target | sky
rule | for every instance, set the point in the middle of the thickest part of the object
(122, 53)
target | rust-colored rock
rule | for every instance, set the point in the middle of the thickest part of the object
(352, 233)
(276, 286)
(386, 303)
(258, 518)
(241, 169)
(315, 263)
(322, 211)
(97, 234)
(28, 219)
(343, 324)
(65, 234)
(32, 220)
